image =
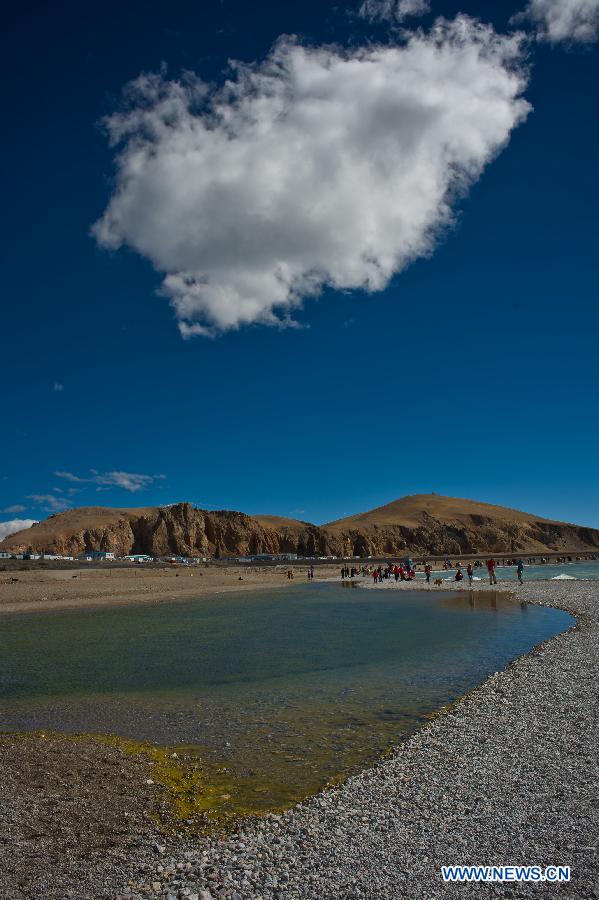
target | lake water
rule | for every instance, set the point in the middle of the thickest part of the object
(276, 692)
(583, 571)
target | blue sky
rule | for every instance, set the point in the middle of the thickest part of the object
(472, 373)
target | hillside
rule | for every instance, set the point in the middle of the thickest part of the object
(412, 511)
(180, 529)
(433, 524)
(423, 524)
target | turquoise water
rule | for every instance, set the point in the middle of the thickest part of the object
(584, 571)
(286, 689)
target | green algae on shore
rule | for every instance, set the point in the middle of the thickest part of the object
(203, 795)
(246, 706)
(200, 797)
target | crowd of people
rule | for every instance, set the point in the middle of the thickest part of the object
(402, 571)
(491, 570)
(353, 572)
(406, 571)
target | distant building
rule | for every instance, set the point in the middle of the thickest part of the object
(97, 555)
(5, 555)
(139, 557)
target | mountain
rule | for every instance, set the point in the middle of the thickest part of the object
(414, 510)
(180, 529)
(423, 524)
(433, 524)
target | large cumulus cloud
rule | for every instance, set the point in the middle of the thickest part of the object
(318, 167)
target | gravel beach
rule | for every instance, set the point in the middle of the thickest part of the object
(508, 775)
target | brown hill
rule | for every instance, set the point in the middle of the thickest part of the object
(416, 508)
(281, 522)
(423, 524)
(180, 529)
(436, 525)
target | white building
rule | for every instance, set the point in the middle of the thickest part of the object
(97, 554)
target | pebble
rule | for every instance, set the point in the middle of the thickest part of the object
(504, 776)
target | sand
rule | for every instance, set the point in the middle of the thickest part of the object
(80, 588)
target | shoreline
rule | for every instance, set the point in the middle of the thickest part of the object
(48, 590)
(499, 777)
(57, 590)
(504, 775)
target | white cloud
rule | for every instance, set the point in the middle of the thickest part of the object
(320, 166)
(564, 20)
(14, 525)
(130, 481)
(49, 502)
(16, 508)
(393, 10)
(58, 387)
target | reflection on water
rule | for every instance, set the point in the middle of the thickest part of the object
(277, 693)
(479, 600)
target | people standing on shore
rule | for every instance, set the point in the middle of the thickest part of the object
(520, 571)
(491, 570)
(427, 571)
(470, 572)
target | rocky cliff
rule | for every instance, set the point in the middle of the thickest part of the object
(423, 525)
(159, 531)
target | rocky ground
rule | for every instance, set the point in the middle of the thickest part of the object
(73, 817)
(508, 775)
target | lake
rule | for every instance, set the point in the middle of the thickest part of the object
(275, 692)
(582, 571)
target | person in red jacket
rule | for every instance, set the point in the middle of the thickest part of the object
(491, 571)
